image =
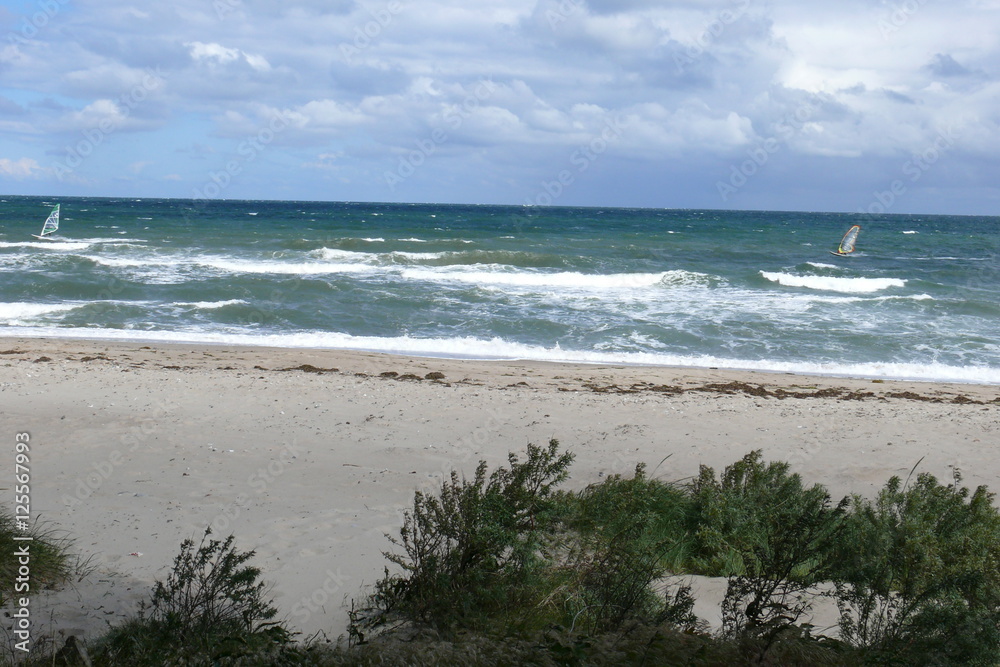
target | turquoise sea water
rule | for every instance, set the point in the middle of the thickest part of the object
(735, 289)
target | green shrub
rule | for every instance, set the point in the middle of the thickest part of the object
(629, 536)
(661, 511)
(919, 575)
(471, 555)
(772, 537)
(211, 609)
(504, 569)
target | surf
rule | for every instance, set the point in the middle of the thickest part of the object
(834, 283)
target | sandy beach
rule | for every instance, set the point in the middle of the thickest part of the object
(310, 457)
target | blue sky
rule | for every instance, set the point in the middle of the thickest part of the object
(876, 105)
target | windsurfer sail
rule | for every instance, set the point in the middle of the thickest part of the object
(847, 243)
(51, 224)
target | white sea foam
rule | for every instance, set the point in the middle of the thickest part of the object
(284, 268)
(497, 348)
(122, 262)
(350, 262)
(418, 256)
(821, 265)
(168, 270)
(565, 279)
(210, 305)
(343, 255)
(372, 258)
(47, 245)
(20, 313)
(846, 285)
(112, 241)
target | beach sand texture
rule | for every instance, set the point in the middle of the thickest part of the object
(310, 457)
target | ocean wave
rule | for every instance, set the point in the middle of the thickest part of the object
(566, 279)
(210, 305)
(350, 262)
(832, 284)
(122, 262)
(112, 241)
(47, 245)
(501, 349)
(283, 268)
(514, 258)
(155, 267)
(17, 313)
(336, 254)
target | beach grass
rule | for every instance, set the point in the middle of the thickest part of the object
(52, 561)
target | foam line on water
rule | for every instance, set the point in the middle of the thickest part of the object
(834, 284)
(497, 348)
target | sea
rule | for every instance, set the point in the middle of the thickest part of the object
(919, 299)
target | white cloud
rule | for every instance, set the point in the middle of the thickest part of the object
(652, 129)
(324, 114)
(20, 169)
(704, 80)
(215, 54)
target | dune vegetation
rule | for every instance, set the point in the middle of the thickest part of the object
(506, 567)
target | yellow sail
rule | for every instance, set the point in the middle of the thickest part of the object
(847, 243)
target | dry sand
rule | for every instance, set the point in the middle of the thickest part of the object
(310, 457)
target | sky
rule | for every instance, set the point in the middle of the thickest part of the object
(878, 106)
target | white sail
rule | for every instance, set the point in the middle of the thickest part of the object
(51, 223)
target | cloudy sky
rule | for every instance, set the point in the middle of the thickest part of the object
(750, 104)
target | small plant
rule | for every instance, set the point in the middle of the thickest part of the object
(772, 536)
(51, 560)
(631, 537)
(51, 564)
(471, 554)
(919, 574)
(210, 608)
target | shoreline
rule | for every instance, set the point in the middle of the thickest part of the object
(310, 457)
(690, 369)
